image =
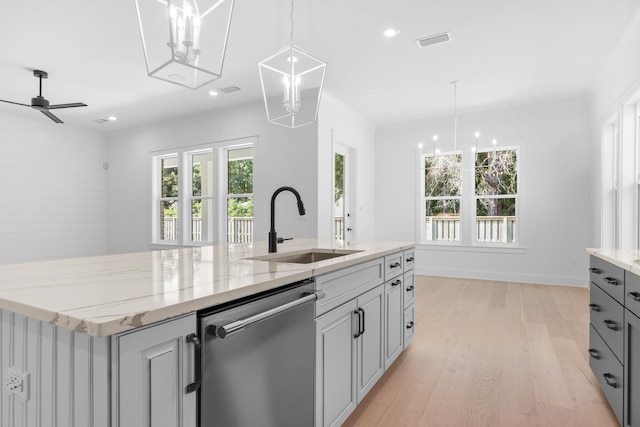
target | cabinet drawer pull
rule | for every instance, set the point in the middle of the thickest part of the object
(410, 259)
(394, 265)
(594, 353)
(410, 288)
(635, 296)
(610, 324)
(595, 270)
(594, 307)
(410, 325)
(611, 380)
(396, 282)
(611, 281)
(358, 333)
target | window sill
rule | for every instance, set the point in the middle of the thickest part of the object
(452, 247)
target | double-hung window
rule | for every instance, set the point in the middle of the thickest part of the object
(168, 202)
(204, 194)
(496, 195)
(442, 196)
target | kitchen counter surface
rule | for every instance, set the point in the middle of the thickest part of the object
(105, 295)
(623, 258)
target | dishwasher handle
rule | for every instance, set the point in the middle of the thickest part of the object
(223, 331)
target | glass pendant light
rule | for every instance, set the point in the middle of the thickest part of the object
(292, 83)
(185, 41)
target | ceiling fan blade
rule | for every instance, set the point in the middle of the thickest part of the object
(74, 104)
(51, 116)
(17, 103)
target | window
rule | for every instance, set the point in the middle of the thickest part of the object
(469, 199)
(168, 198)
(496, 195)
(207, 191)
(442, 196)
(240, 195)
(202, 201)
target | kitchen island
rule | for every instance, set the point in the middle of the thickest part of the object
(65, 324)
(614, 331)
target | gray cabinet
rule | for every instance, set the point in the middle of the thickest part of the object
(394, 311)
(370, 366)
(608, 348)
(409, 324)
(349, 358)
(360, 331)
(152, 368)
(336, 395)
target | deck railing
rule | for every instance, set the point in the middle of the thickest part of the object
(490, 229)
(338, 226)
(239, 229)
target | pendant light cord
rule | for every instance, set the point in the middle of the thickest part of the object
(291, 35)
(455, 115)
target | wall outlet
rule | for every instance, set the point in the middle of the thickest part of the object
(17, 382)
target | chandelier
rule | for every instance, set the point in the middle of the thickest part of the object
(292, 83)
(184, 41)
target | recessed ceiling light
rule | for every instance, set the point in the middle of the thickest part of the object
(390, 32)
(112, 118)
(213, 93)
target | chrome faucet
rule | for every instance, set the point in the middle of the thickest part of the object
(273, 236)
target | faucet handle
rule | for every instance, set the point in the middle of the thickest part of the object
(282, 239)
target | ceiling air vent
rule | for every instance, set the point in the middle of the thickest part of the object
(438, 38)
(229, 89)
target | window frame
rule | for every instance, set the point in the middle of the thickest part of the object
(225, 186)
(219, 152)
(476, 197)
(424, 198)
(468, 203)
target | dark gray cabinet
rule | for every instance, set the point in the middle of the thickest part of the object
(632, 370)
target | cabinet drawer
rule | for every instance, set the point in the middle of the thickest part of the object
(409, 289)
(632, 292)
(409, 325)
(607, 317)
(608, 371)
(409, 259)
(346, 284)
(392, 265)
(609, 277)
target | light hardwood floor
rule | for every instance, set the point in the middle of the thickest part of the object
(491, 354)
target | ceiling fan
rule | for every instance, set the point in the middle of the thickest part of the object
(42, 104)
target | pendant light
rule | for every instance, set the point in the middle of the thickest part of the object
(292, 83)
(184, 41)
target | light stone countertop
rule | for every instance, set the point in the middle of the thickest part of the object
(105, 295)
(623, 258)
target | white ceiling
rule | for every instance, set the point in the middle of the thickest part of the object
(504, 52)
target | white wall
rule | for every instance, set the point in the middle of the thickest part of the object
(617, 81)
(53, 190)
(283, 157)
(339, 123)
(553, 191)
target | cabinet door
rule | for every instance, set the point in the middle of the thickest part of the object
(632, 370)
(393, 321)
(336, 365)
(154, 366)
(370, 342)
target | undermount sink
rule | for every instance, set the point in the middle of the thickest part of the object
(308, 257)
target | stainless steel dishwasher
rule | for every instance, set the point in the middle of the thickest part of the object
(257, 361)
